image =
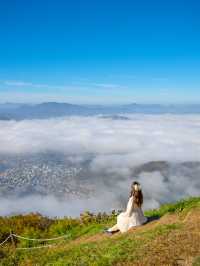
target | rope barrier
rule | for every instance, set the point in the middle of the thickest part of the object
(40, 239)
(47, 239)
(33, 239)
(1, 244)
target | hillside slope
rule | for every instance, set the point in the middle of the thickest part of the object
(171, 237)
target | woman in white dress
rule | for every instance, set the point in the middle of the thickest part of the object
(133, 216)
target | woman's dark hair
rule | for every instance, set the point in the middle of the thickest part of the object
(137, 195)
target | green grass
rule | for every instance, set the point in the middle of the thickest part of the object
(179, 206)
(37, 226)
(108, 251)
(196, 262)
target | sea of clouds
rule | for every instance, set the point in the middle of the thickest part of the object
(118, 145)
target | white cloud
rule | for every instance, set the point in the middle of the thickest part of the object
(118, 146)
(106, 85)
(25, 84)
(16, 83)
(142, 138)
(51, 206)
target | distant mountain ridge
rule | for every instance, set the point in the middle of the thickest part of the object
(54, 109)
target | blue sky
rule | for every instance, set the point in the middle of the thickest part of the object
(109, 52)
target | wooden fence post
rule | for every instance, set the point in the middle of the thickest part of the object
(12, 240)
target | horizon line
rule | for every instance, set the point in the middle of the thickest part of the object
(103, 104)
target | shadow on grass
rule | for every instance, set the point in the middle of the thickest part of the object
(152, 218)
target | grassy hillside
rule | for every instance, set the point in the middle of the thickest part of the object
(171, 237)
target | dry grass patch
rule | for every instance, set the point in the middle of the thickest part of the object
(178, 247)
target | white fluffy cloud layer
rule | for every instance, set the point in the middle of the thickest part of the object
(142, 138)
(118, 146)
(51, 206)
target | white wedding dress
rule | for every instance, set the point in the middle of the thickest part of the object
(133, 216)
